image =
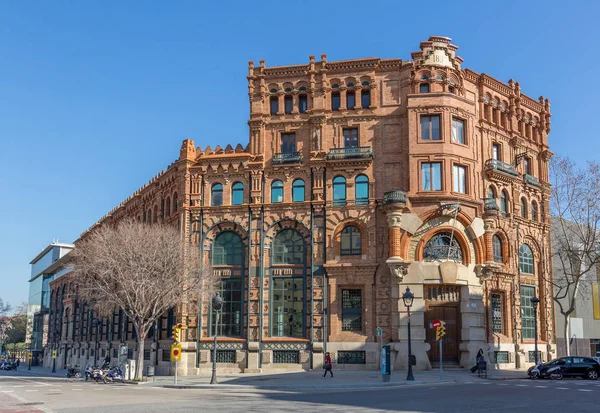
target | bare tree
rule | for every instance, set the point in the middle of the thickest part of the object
(575, 209)
(144, 270)
(5, 308)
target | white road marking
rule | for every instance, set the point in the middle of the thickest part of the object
(12, 391)
(522, 385)
(30, 390)
(558, 388)
(479, 383)
(499, 384)
(466, 382)
(539, 387)
(82, 389)
(585, 390)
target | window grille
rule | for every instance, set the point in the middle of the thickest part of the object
(501, 357)
(497, 313)
(225, 356)
(130, 353)
(351, 357)
(527, 312)
(146, 354)
(286, 356)
(532, 356)
(352, 310)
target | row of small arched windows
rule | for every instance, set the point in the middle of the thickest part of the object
(526, 264)
(166, 206)
(288, 247)
(526, 212)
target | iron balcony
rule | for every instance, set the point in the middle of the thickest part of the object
(287, 157)
(496, 165)
(349, 153)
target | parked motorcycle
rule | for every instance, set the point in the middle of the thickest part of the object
(544, 371)
(115, 374)
(74, 372)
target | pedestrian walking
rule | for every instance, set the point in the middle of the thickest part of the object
(328, 367)
(18, 362)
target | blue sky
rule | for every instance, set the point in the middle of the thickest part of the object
(96, 96)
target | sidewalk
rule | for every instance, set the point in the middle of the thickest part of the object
(343, 379)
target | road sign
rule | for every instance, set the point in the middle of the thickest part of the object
(435, 324)
(53, 354)
(378, 332)
(175, 352)
(29, 355)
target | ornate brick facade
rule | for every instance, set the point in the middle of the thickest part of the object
(375, 170)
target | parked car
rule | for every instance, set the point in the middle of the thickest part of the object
(597, 359)
(585, 367)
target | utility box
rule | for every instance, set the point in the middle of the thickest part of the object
(386, 364)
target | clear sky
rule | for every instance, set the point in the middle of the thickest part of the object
(97, 95)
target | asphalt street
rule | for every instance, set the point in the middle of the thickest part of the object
(29, 394)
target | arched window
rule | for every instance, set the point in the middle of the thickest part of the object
(424, 88)
(339, 191)
(361, 184)
(274, 104)
(288, 103)
(237, 194)
(335, 97)
(302, 101)
(288, 247)
(144, 219)
(227, 249)
(525, 259)
(491, 193)
(155, 220)
(523, 208)
(350, 97)
(350, 241)
(504, 203)
(534, 211)
(441, 247)
(497, 248)
(175, 204)
(216, 195)
(298, 191)
(365, 95)
(276, 192)
(168, 206)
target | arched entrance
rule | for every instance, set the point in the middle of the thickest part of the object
(442, 302)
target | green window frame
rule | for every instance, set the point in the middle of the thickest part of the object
(287, 307)
(527, 312)
(526, 260)
(288, 247)
(227, 249)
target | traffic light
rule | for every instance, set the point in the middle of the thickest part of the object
(440, 331)
(177, 332)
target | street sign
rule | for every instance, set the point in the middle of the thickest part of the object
(175, 352)
(378, 332)
(29, 355)
(435, 324)
(53, 354)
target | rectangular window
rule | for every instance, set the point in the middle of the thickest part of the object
(527, 312)
(287, 307)
(225, 356)
(365, 97)
(352, 310)
(230, 318)
(430, 128)
(351, 357)
(288, 102)
(335, 101)
(146, 354)
(531, 356)
(274, 101)
(527, 165)
(351, 138)
(460, 179)
(496, 152)
(288, 142)
(303, 103)
(501, 357)
(350, 100)
(458, 131)
(496, 313)
(431, 176)
(286, 356)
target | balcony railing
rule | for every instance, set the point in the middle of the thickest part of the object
(287, 157)
(348, 153)
(500, 166)
(394, 197)
(532, 180)
(489, 204)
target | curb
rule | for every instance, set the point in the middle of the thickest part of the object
(310, 387)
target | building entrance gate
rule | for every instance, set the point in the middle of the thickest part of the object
(442, 302)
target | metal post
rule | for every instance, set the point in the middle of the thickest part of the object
(441, 361)
(213, 379)
(535, 345)
(410, 372)
(175, 377)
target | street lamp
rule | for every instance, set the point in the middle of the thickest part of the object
(217, 304)
(408, 298)
(535, 301)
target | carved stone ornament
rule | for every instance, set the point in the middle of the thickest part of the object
(394, 219)
(487, 271)
(398, 267)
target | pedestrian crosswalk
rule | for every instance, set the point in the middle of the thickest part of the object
(574, 385)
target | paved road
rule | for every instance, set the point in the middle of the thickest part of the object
(42, 394)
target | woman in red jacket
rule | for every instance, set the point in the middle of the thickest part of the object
(328, 367)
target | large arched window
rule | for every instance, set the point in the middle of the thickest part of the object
(339, 191)
(350, 241)
(526, 259)
(504, 202)
(523, 208)
(534, 211)
(276, 192)
(216, 195)
(228, 249)
(298, 191)
(237, 194)
(441, 247)
(361, 185)
(288, 247)
(497, 248)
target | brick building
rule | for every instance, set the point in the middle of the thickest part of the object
(361, 178)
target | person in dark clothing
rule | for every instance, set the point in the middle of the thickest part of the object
(18, 362)
(478, 359)
(328, 366)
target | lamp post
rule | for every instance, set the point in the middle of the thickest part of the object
(535, 301)
(217, 304)
(408, 298)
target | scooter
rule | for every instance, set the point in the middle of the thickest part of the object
(115, 374)
(553, 373)
(74, 372)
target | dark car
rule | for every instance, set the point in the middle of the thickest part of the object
(585, 367)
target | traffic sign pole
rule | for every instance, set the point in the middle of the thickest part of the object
(175, 372)
(441, 361)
